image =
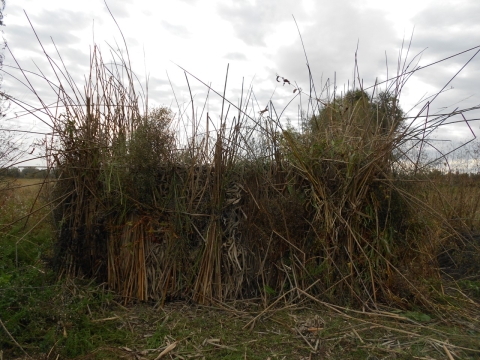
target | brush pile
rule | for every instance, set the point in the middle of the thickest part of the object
(251, 210)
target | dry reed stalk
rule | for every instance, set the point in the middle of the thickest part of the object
(250, 209)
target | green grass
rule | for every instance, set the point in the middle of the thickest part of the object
(471, 287)
(41, 314)
(289, 333)
(79, 319)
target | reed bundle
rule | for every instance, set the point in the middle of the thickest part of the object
(250, 210)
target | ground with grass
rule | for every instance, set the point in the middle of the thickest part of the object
(43, 316)
(85, 322)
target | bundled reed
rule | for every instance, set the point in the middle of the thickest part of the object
(250, 210)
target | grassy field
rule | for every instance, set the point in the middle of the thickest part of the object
(46, 318)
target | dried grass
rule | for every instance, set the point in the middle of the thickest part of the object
(249, 210)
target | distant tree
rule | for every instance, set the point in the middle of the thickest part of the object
(379, 114)
(41, 174)
(14, 172)
(30, 172)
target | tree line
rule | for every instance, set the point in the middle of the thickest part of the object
(29, 172)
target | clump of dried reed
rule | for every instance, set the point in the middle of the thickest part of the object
(250, 210)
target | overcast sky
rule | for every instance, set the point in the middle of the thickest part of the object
(259, 39)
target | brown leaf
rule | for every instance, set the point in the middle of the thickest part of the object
(167, 350)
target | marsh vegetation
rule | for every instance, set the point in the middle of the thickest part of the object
(248, 239)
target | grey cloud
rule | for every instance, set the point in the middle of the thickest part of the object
(253, 22)
(75, 60)
(447, 44)
(132, 42)
(177, 30)
(59, 25)
(333, 51)
(29, 66)
(160, 94)
(120, 9)
(61, 20)
(447, 29)
(439, 74)
(147, 12)
(235, 56)
(9, 10)
(197, 88)
(449, 14)
(331, 43)
(23, 37)
(156, 81)
(160, 91)
(41, 76)
(74, 56)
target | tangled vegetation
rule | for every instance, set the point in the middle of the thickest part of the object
(335, 214)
